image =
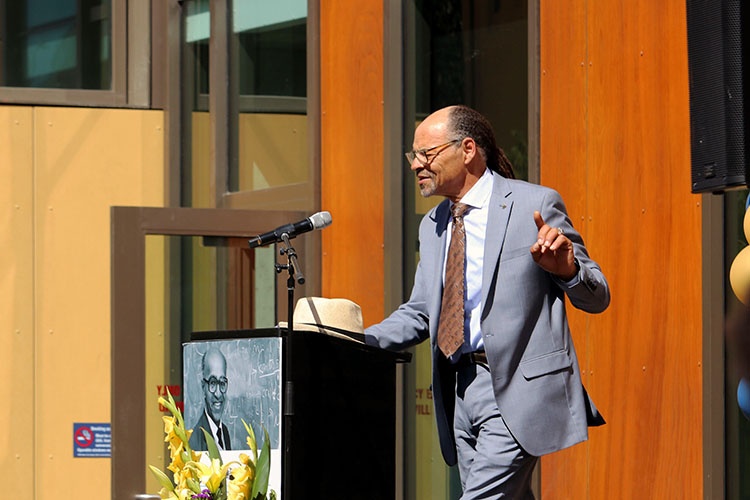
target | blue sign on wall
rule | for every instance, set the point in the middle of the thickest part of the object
(92, 440)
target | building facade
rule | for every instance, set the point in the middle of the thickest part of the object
(229, 117)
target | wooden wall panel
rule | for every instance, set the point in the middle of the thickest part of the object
(85, 161)
(351, 53)
(563, 161)
(644, 227)
(17, 301)
(646, 352)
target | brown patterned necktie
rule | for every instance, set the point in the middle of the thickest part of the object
(451, 327)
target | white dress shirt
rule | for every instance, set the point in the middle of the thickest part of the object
(475, 224)
(215, 430)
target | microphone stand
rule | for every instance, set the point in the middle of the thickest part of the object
(295, 275)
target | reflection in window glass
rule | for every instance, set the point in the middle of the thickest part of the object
(273, 150)
(737, 426)
(196, 143)
(272, 47)
(197, 33)
(474, 53)
(471, 52)
(57, 44)
(271, 61)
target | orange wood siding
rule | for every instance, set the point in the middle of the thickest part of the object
(351, 53)
(563, 160)
(632, 186)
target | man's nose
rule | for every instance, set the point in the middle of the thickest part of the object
(415, 165)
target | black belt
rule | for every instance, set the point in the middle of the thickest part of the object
(473, 358)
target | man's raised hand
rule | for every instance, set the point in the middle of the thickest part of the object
(553, 251)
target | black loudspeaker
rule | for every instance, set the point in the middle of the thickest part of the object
(716, 57)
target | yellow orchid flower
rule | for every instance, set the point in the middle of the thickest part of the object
(166, 494)
(175, 435)
(248, 462)
(251, 440)
(213, 475)
(169, 424)
(180, 458)
(185, 494)
(176, 466)
(190, 474)
(180, 481)
(238, 487)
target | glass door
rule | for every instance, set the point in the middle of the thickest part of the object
(175, 271)
(455, 52)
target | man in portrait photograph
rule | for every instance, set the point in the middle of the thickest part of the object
(214, 383)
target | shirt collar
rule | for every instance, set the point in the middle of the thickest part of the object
(211, 422)
(479, 194)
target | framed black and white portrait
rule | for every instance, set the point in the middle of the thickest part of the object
(226, 381)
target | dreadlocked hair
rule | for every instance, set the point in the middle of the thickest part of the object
(466, 122)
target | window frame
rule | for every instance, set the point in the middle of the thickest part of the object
(225, 113)
(117, 96)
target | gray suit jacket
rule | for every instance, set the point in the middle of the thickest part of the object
(534, 368)
(198, 440)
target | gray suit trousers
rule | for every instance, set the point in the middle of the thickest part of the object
(491, 463)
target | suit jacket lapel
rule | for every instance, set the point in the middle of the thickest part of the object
(442, 214)
(501, 203)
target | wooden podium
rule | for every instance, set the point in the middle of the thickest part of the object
(338, 402)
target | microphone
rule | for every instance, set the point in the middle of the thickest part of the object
(315, 221)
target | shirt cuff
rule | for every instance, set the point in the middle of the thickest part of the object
(574, 280)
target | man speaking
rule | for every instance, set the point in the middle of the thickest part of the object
(497, 258)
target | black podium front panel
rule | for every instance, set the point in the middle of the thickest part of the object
(338, 404)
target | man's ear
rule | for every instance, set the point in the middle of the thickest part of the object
(469, 149)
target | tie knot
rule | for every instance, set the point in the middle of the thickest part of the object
(459, 209)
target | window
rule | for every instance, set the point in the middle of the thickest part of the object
(271, 61)
(63, 51)
(272, 44)
(57, 44)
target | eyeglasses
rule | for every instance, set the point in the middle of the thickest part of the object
(423, 154)
(214, 382)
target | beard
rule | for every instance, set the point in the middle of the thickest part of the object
(427, 188)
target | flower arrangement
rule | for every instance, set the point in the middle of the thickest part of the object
(243, 480)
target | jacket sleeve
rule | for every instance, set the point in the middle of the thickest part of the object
(406, 326)
(589, 290)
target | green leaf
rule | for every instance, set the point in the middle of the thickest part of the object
(262, 470)
(251, 440)
(169, 395)
(163, 479)
(213, 450)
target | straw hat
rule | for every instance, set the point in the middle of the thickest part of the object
(337, 317)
